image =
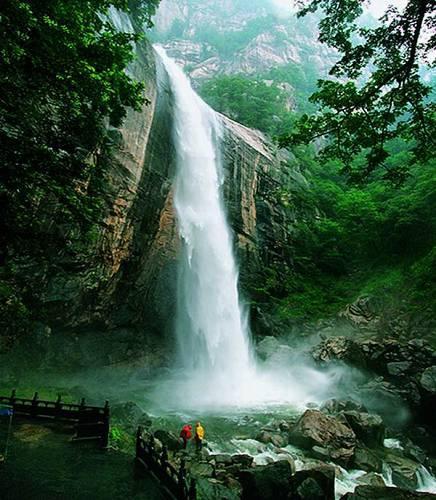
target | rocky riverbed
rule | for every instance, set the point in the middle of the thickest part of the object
(372, 436)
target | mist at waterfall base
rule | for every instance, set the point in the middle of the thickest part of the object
(216, 367)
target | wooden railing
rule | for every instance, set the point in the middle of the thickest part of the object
(177, 481)
(92, 422)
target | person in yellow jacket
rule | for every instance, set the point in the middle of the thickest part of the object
(199, 436)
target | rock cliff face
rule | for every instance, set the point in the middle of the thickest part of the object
(117, 303)
(220, 37)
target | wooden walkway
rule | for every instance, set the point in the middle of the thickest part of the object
(176, 481)
(92, 422)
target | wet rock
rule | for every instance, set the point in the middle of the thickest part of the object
(368, 427)
(371, 479)
(168, 439)
(415, 453)
(284, 426)
(385, 493)
(321, 453)
(287, 458)
(388, 400)
(223, 459)
(428, 380)
(339, 349)
(362, 313)
(230, 489)
(243, 460)
(335, 406)
(266, 482)
(316, 483)
(399, 368)
(403, 471)
(267, 347)
(203, 469)
(276, 439)
(314, 428)
(366, 459)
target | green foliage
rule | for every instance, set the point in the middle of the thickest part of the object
(62, 76)
(393, 102)
(373, 239)
(250, 101)
(226, 43)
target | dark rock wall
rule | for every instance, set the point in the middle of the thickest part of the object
(117, 305)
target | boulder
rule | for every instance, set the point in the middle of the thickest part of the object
(243, 460)
(334, 406)
(168, 439)
(368, 427)
(274, 438)
(314, 428)
(223, 459)
(316, 483)
(415, 453)
(371, 479)
(428, 380)
(385, 493)
(386, 399)
(403, 471)
(230, 489)
(266, 482)
(339, 349)
(399, 368)
(202, 469)
(365, 459)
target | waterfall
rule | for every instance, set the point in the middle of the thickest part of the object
(213, 338)
(211, 330)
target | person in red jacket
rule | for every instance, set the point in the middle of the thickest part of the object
(186, 434)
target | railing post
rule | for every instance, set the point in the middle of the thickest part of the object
(138, 441)
(105, 430)
(181, 479)
(164, 455)
(58, 405)
(13, 396)
(192, 495)
(35, 404)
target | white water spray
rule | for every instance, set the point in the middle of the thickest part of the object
(212, 332)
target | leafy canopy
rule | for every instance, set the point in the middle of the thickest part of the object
(62, 72)
(378, 93)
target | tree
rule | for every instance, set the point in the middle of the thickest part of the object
(360, 112)
(62, 72)
(62, 79)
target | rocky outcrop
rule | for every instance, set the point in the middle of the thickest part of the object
(262, 37)
(316, 483)
(267, 482)
(115, 301)
(331, 437)
(406, 372)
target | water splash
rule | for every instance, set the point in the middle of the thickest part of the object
(426, 481)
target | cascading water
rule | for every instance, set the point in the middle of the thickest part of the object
(212, 333)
